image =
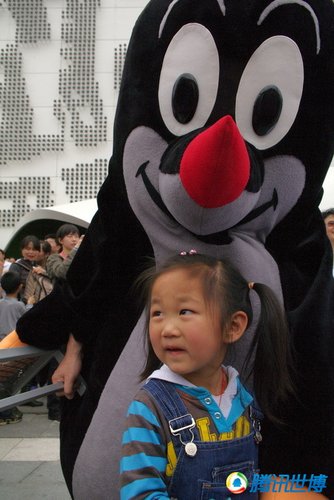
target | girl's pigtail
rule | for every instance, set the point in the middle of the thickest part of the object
(273, 357)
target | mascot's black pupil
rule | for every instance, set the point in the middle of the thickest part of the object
(185, 98)
(267, 110)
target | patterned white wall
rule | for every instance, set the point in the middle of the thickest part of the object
(328, 198)
(60, 68)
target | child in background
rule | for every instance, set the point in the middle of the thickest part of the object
(11, 309)
(69, 239)
(194, 422)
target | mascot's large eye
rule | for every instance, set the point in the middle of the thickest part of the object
(270, 92)
(189, 79)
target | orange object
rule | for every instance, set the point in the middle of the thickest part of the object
(11, 340)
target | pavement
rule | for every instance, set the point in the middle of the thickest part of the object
(29, 458)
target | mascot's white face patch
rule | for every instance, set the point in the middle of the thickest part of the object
(276, 63)
(191, 52)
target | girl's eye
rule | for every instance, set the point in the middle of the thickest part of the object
(185, 311)
(155, 314)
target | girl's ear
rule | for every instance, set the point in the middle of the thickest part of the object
(236, 327)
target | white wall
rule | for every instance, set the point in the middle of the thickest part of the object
(60, 66)
(328, 198)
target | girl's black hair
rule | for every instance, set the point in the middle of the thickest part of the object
(30, 239)
(223, 285)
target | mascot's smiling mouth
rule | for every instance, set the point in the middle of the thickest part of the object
(218, 238)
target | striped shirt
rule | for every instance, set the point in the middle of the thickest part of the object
(148, 455)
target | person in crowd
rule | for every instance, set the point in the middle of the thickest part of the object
(34, 285)
(5, 262)
(52, 240)
(194, 417)
(30, 249)
(11, 309)
(38, 284)
(2, 270)
(38, 287)
(57, 264)
(45, 251)
(328, 217)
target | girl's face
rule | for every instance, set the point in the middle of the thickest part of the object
(29, 252)
(69, 241)
(185, 334)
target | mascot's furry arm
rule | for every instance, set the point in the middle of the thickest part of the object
(223, 136)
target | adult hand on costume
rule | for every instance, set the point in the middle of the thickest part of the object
(79, 242)
(69, 368)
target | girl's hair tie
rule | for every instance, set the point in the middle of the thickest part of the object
(191, 252)
(251, 285)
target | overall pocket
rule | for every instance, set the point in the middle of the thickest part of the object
(229, 481)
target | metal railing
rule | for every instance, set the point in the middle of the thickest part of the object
(18, 366)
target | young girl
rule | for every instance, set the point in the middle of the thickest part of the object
(194, 423)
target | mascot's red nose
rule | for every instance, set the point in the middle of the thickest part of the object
(215, 166)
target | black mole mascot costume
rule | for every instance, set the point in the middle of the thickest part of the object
(223, 135)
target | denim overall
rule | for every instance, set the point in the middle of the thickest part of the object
(203, 467)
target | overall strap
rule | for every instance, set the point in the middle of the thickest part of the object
(181, 422)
